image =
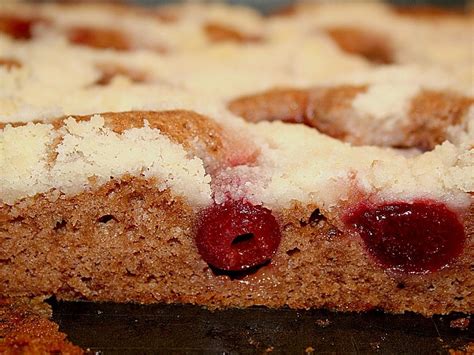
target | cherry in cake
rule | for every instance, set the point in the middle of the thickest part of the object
(418, 237)
(237, 235)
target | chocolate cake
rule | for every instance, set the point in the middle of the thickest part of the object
(206, 154)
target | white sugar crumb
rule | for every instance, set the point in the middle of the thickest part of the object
(327, 170)
(385, 101)
(89, 149)
(23, 160)
(184, 69)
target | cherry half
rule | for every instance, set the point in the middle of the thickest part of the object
(418, 237)
(237, 235)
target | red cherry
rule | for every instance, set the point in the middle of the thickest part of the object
(413, 237)
(237, 235)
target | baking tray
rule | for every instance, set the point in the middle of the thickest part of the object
(111, 328)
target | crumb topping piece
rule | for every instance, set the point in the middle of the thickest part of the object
(90, 149)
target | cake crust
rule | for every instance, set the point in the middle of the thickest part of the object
(329, 110)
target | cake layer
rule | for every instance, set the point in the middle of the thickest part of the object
(82, 153)
(128, 241)
(296, 52)
(132, 236)
(26, 329)
(202, 161)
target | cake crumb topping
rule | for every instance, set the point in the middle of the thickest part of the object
(90, 149)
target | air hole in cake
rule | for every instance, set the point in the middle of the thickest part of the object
(237, 235)
(86, 279)
(221, 33)
(238, 275)
(316, 217)
(4, 262)
(60, 225)
(151, 279)
(18, 219)
(18, 27)
(458, 298)
(293, 251)
(333, 232)
(106, 218)
(401, 285)
(418, 237)
(99, 38)
(368, 44)
(174, 241)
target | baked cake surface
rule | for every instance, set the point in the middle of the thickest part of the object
(206, 154)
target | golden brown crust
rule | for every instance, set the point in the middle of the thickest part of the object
(99, 38)
(431, 113)
(430, 12)
(110, 70)
(325, 109)
(9, 63)
(221, 33)
(328, 109)
(24, 330)
(375, 47)
(19, 27)
(181, 126)
(198, 134)
(288, 105)
(128, 241)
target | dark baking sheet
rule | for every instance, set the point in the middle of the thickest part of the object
(172, 329)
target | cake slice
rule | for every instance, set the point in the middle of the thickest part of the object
(166, 207)
(209, 155)
(26, 329)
